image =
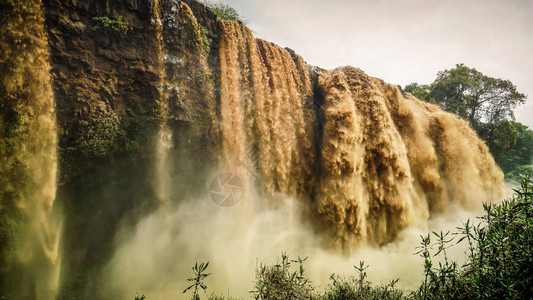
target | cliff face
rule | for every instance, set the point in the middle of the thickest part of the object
(118, 70)
(152, 95)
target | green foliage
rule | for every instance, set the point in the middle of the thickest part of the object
(278, 282)
(476, 97)
(139, 297)
(359, 288)
(500, 137)
(519, 171)
(224, 11)
(95, 138)
(520, 156)
(141, 136)
(502, 262)
(15, 175)
(198, 279)
(205, 40)
(420, 91)
(112, 27)
(438, 281)
(500, 254)
(98, 136)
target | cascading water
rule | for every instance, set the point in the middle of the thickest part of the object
(29, 145)
(394, 160)
(386, 161)
(266, 109)
(164, 135)
(339, 161)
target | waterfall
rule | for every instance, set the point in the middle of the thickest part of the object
(266, 109)
(332, 164)
(163, 146)
(323, 162)
(29, 158)
(385, 160)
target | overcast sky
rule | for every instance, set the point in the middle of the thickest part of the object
(402, 41)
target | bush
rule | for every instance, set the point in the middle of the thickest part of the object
(278, 282)
(95, 138)
(352, 288)
(224, 11)
(500, 254)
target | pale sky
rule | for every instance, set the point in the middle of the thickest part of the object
(402, 41)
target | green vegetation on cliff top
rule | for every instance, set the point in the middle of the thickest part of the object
(224, 11)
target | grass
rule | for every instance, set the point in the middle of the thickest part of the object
(499, 263)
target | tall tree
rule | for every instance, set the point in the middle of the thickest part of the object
(475, 97)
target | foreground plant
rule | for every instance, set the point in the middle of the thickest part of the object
(352, 288)
(198, 279)
(499, 257)
(139, 297)
(279, 282)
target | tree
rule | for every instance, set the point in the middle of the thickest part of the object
(521, 153)
(499, 137)
(420, 91)
(475, 97)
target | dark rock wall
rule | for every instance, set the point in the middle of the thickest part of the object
(106, 87)
(102, 75)
(111, 90)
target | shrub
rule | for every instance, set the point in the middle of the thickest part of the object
(500, 254)
(224, 11)
(501, 259)
(278, 282)
(359, 288)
